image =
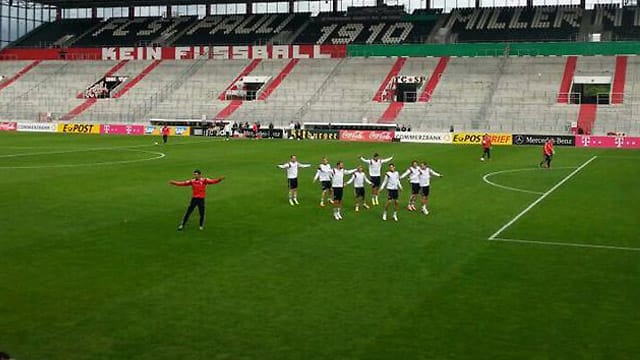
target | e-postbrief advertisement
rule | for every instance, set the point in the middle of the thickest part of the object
(37, 127)
(79, 128)
(423, 137)
(529, 139)
(476, 138)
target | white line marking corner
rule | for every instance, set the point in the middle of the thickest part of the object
(538, 200)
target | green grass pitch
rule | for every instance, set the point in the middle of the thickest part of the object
(92, 266)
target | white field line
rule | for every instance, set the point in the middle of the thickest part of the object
(95, 149)
(538, 200)
(486, 177)
(590, 246)
(158, 155)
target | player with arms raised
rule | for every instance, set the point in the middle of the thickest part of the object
(375, 166)
(292, 177)
(392, 184)
(358, 179)
(414, 172)
(337, 185)
(425, 181)
(199, 191)
(324, 175)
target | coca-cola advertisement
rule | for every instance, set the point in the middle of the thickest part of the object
(8, 126)
(366, 135)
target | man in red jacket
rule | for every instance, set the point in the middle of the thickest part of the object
(486, 147)
(165, 134)
(547, 151)
(199, 191)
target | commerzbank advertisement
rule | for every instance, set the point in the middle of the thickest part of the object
(476, 138)
(423, 137)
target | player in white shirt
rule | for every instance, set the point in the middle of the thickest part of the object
(375, 165)
(324, 175)
(337, 185)
(358, 179)
(425, 180)
(292, 177)
(414, 173)
(392, 184)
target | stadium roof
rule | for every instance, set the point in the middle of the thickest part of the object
(73, 4)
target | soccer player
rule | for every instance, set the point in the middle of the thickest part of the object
(375, 164)
(323, 173)
(165, 134)
(414, 178)
(486, 147)
(337, 185)
(548, 152)
(358, 179)
(425, 180)
(292, 177)
(199, 191)
(393, 185)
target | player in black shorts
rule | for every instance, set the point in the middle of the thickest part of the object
(324, 174)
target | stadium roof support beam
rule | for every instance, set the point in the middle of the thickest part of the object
(335, 6)
(477, 4)
(530, 3)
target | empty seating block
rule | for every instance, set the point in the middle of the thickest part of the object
(141, 31)
(371, 29)
(516, 23)
(240, 29)
(624, 23)
(57, 33)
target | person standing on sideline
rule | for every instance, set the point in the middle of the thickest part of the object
(414, 179)
(375, 165)
(165, 133)
(548, 152)
(292, 177)
(337, 186)
(199, 191)
(393, 185)
(425, 180)
(486, 147)
(324, 175)
(358, 179)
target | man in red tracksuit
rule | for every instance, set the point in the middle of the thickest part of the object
(486, 147)
(199, 191)
(165, 134)
(547, 151)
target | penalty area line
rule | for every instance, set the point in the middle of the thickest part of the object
(589, 246)
(538, 200)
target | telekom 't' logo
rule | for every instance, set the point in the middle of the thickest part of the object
(586, 140)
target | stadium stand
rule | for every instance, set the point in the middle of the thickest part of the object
(51, 87)
(622, 23)
(142, 31)
(546, 23)
(60, 33)
(357, 28)
(242, 30)
(502, 92)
